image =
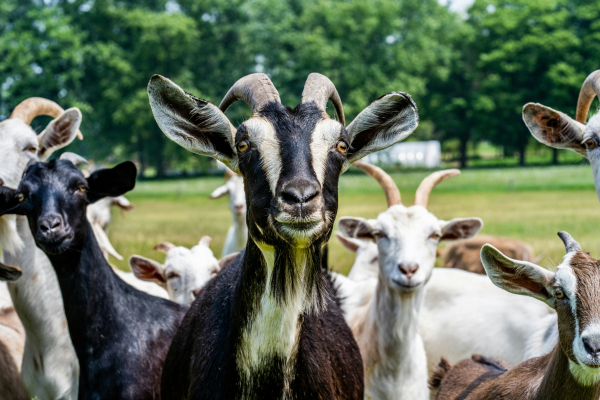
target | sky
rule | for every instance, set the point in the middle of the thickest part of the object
(457, 5)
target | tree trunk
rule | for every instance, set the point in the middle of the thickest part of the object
(522, 155)
(554, 156)
(464, 141)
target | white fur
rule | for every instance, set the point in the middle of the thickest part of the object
(262, 135)
(324, 137)
(237, 235)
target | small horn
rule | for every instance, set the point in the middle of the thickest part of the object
(570, 244)
(255, 89)
(74, 158)
(392, 194)
(164, 247)
(320, 89)
(427, 185)
(32, 107)
(589, 90)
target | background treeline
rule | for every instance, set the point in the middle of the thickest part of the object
(470, 73)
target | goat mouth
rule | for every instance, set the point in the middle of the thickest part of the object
(407, 286)
(55, 246)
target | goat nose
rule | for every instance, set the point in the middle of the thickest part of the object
(592, 345)
(299, 191)
(239, 208)
(50, 223)
(408, 269)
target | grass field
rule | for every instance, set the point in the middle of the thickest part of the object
(530, 204)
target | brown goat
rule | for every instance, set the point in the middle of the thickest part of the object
(571, 370)
(465, 253)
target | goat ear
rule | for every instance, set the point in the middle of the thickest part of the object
(553, 128)
(10, 201)
(59, 133)
(219, 192)
(387, 121)
(355, 227)
(112, 182)
(461, 228)
(195, 124)
(518, 277)
(146, 269)
(224, 261)
(9, 273)
(349, 243)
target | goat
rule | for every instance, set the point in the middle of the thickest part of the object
(99, 214)
(571, 370)
(237, 234)
(465, 254)
(556, 129)
(49, 369)
(12, 341)
(184, 271)
(121, 335)
(269, 319)
(441, 315)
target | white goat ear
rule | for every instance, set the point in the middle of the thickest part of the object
(59, 133)
(205, 241)
(461, 228)
(518, 277)
(195, 124)
(219, 192)
(553, 128)
(385, 122)
(348, 243)
(146, 269)
(356, 227)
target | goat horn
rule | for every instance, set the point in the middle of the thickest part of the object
(427, 185)
(570, 243)
(255, 89)
(589, 90)
(164, 247)
(32, 107)
(392, 194)
(320, 89)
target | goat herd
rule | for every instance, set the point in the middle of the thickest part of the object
(270, 320)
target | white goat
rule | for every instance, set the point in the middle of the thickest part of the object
(405, 326)
(184, 272)
(50, 369)
(238, 232)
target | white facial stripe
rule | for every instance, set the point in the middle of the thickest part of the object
(324, 137)
(262, 135)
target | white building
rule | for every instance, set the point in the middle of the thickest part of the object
(410, 154)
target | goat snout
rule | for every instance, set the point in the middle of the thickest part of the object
(51, 223)
(239, 208)
(408, 269)
(592, 345)
(300, 192)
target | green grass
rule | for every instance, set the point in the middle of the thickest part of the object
(530, 204)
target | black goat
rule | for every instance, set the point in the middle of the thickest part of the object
(268, 326)
(121, 335)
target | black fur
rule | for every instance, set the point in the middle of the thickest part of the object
(121, 335)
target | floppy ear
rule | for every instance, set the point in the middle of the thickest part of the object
(146, 269)
(9, 273)
(195, 124)
(385, 122)
(348, 243)
(112, 182)
(461, 228)
(518, 277)
(10, 201)
(553, 128)
(356, 227)
(219, 192)
(59, 133)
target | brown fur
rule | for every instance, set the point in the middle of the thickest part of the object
(12, 342)
(465, 253)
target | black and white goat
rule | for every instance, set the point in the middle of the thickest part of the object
(121, 335)
(268, 326)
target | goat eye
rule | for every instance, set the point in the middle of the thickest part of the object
(378, 234)
(243, 146)
(32, 149)
(172, 275)
(590, 144)
(82, 189)
(559, 294)
(20, 197)
(342, 146)
(434, 236)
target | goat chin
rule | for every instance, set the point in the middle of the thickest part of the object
(10, 241)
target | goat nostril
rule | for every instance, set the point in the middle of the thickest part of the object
(299, 192)
(591, 346)
(50, 224)
(408, 269)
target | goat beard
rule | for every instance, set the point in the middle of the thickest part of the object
(10, 241)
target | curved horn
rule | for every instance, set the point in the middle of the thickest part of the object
(427, 185)
(255, 89)
(164, 247)
(32, 107)
(570, 243)
(320, 89)
(392, 194)
(589, 89)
